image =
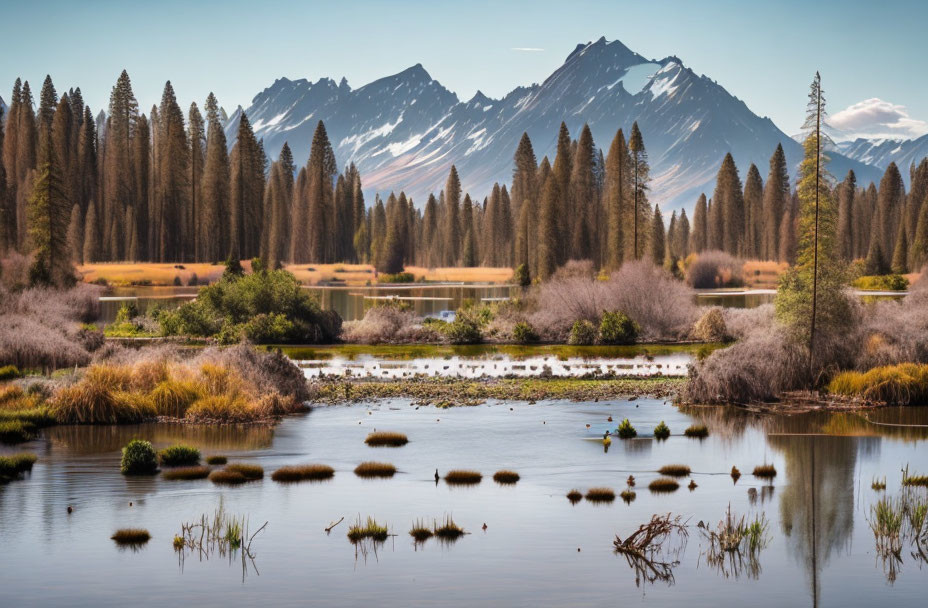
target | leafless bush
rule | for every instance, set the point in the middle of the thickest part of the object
(895, 332)
(711, 326)
(660, 304)
(573, 269)
(14, 271)
(387, 324)
(713, 269)
(742, 321)
(268, 371)
(560, 302)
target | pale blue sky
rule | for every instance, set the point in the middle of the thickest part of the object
(763, 52)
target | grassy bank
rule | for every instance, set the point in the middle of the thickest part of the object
(446, 392)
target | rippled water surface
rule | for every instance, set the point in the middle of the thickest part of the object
(537, 548)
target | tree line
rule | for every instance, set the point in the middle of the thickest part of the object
(168, 187)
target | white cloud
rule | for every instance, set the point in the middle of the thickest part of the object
(876, 118)
(527, 49)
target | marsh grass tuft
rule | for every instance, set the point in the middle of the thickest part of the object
(216, 460)
(575, 496)
(179, 455)
(600, 495)
(628, 496)
(506, 477)
(16, 431)
(663, 484)
(698, 431)
(626, 430)
(661, 431)
(914, 480)
(735, 473)
(878, 484)
(225, 477)
(448, 529)
(369, 529)
(463, 477)
(131, 536)
(248, 471)
(386, 439)
(375, 469)
(674, 470)
(420, 532)
(13, 466)
(194, 472)
(765, 471)
(302, 472)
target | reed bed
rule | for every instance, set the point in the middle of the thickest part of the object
(448, 530)
(600, 495)
(386, 439)
(249, 471)
(664, 484)
(186, 473)
(375, 469)
(674, 470)
(131, 536)
(697, 431)
(506, 477)
(369, 529)
(765, 471)
(463, 477)
(237, 473)
(901, 384)
(420, 532)
(304, 472)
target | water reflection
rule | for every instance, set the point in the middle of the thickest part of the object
(88, 440)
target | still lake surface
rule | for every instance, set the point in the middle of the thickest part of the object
(821, 549)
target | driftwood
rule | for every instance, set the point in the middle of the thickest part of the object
(329, 529)
(646, 550)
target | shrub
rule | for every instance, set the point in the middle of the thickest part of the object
(582, 333)
(463, 477)
(9, 372)
(663, 484)
(521, 276)
(386, 438)
(304, 472)
(886, 282)
(661, 431)
(131, 536)
(186, 473)
(179, 455)
(699, 431)
(662, 307)
(375, 469)
(711, 326)
(390, 324)
(626, 430)
(463, 330)
(616, 328)
(600, 495)
(506, 477)
(138, 458)
(397, 277)
(524, 333)
(714, 269)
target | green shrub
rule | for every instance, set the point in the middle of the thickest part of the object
(398, 277)
(463, 331)
(128, 311)
(626, 430)
(524, 333)
(884, 282)
(661, 431)
(521, 276)
(9, 372)
(616, 328)
(139, 458)
(582, 333)
(179, 455)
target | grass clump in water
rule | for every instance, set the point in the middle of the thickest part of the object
(216, 460)
(237, 473)
(698, 431)
(628, 496)
(139, 458)
(664, 484)
(386, 439)
(12, 467)
(506, 477)
(375, 469)
(913, 480)
(575, 496)
(420, 532)
(448, 529)
(185, 473)
(886, 518)
(735, 473)
(303, 472)
(249, 471)
(131, 536)
(674, 470)
(878, 484)
(179, 455)
(463, 477)
(765, 471)
(661, 431)
(600, 495)
(901, 384)
(626, 430)
(370, 529)
(16, 431)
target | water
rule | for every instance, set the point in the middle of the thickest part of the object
(821, 549)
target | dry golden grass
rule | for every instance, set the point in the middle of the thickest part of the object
(506, 477)
(663, 484)
(674, 470)
(463, 477)
(303, 472)
(600, 495)
(351, 275)
(575, 496)
(386, 439)
(766, 471)
(760, 274)
(375, 469)
(194, 472)
(131, 536)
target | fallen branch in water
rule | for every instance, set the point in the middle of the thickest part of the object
(329, 529)
(644, 549)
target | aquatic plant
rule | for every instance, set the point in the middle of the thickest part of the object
(179, 455)
(900, 384)
(735, 473)
(369, 529)
(448, 529)
(735, 544)
(11, 467)
(506, 477)
(630, 481)
(914, 480)
(131, 536)
(575, 496)
(765, 471)
(628, 496)
(302, 472)
(878, 484)
(661, 431)
(387, 439)
(138, 458)
(886, 518)
(249, 471)
(600, 495)
(699, 431)
(652, 550)
(216, 460)
(692, 485)
(663, 484)
(463, 477)
(16, 431)
(375, 469)
(626, 430)
(227, 477)
(419, 531)
(220, 533)
(194, 472)
(674, 470)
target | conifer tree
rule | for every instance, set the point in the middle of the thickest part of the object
(584, 237)
(171, 183)
(657, 240)
(196, 131)
(247, 194)
(726, 230)
(548, 233)
(320, 196)
(846, 191)
(26, 151)
(7, 211)
(213, 223)
(699, 239)
(919, 249)
(91, 238)
(889, 208)
(640, 173)
(468, 244)
(452, 226)
(562, 168)
(682, 236)
(525, 202)
(776, 203)
(900, 263)
(753, 213)
(615, 199)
